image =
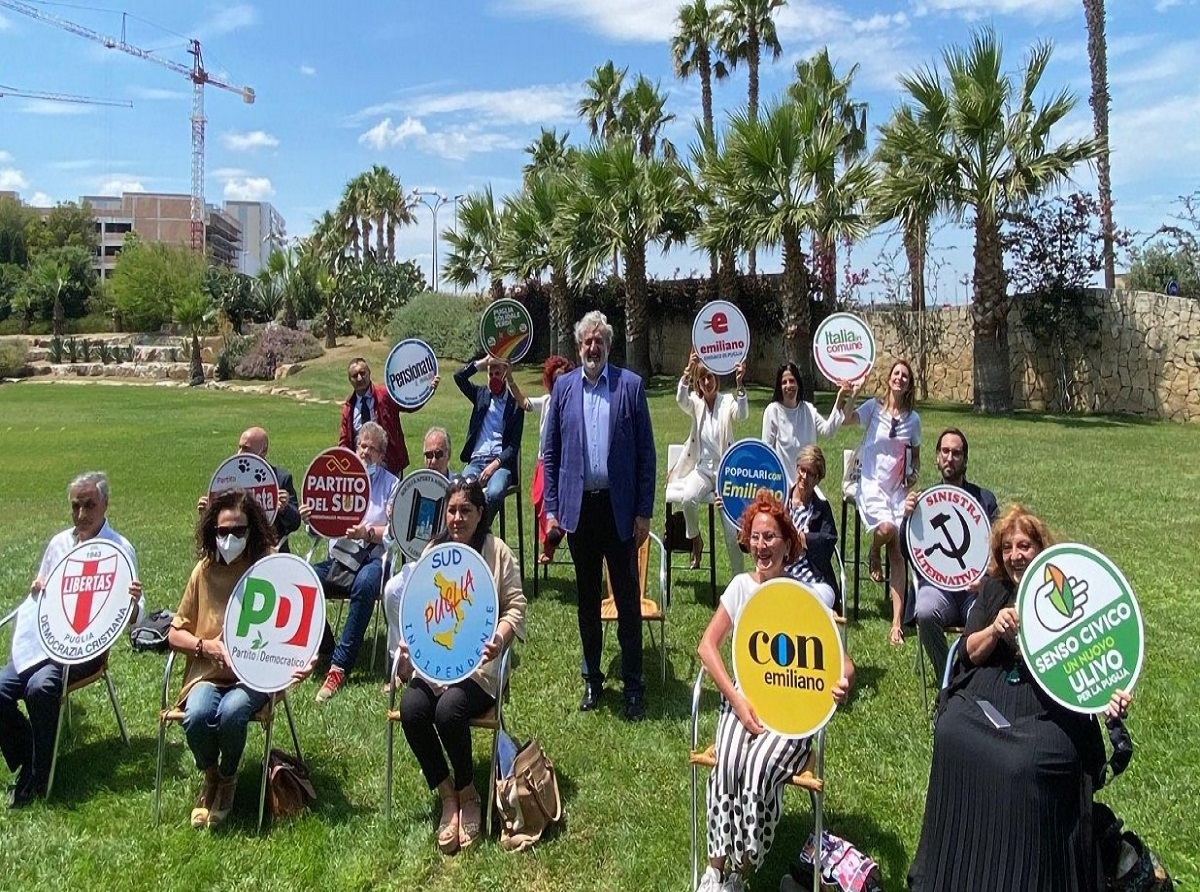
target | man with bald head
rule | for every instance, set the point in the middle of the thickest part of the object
(254, 441)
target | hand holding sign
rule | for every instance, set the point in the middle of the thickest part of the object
(720, 337)
(336, 492)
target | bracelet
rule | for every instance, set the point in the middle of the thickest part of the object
(199, 648)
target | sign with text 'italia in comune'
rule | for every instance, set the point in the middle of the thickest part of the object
(844, 348)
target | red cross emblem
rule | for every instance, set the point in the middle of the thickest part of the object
(86, 586)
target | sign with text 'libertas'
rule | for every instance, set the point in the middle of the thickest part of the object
(85, 604)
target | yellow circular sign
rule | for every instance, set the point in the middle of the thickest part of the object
(787, 657)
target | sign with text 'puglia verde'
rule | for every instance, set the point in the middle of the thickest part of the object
(506, 329)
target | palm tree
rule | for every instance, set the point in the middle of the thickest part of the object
(643, 115)
(383, 193)
(48, 280)
(194, 311)
(622, 200)
(1093, 12)
(475, 244)
(599, 106)
(993, 153)
(352, 210)
(694, 51)
(548, 152)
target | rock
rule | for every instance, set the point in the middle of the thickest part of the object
(288, 369)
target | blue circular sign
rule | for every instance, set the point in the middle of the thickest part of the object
(448, 612)
(409, 373)
(746, 467)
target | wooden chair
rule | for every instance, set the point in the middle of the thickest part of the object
(64, 711)
(541, 572)
(674, 452)
(652, 611)
(492, 720)
(168, 713)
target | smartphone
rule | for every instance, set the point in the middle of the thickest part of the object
(994, 715)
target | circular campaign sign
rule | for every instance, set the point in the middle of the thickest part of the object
(337, 487)
(86, 605)
(506, 329)
(274, 621)
(448, 612)
(720, 336)
(948, 537)
(787, 657)
(1080, 627)
(418, 505)
(251, 473)
(746, 467)
(844, 348)
(409, 373)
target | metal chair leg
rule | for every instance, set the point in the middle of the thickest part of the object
(266, 768)
(695, 854)
(491, 787)
(112, 697)
(387, 783)
(712, 555)
(64, 707)
(158, 770)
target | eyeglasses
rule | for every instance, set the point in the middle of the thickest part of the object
(434, 454)
(238, 530)
(951, 453)
(764, 538)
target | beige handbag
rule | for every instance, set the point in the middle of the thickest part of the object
(528, 800)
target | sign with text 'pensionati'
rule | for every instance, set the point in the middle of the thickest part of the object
(409, 373)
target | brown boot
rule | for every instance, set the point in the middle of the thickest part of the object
(223, 802)
(697, 552)
(208, 795)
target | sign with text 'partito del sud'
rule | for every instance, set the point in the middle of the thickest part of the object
(947, 537)
(506, 329)
(337, 487)
(449, 612)
(844, 348)
(720, 337)
(274, 621)
(85, 605)
(787, 657)
(746, 467)
(251, 473)
(409, 373)
(1080, 627)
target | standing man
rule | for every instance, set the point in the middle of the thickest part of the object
(493, 446)
(287, 519)
(599, 470)
(28, 744)
(370, 402)
(936, 609)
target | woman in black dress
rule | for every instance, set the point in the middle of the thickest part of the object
(1009, 808)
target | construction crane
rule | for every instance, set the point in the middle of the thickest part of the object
(196, 73)
(61, 97)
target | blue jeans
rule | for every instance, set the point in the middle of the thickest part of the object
(494, 489)
(216, 722)
(364, 592)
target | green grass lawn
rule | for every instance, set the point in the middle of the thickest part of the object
(1125, 487)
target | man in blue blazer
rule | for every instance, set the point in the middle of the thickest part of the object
(599, 469)
(493, 445)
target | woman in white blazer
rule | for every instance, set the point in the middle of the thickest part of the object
(692, 480)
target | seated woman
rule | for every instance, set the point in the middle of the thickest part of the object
(693, 478)
(435, 717)
(1009, 808)
(813, 519)
(745, 790)
(232, 533)
(791, 421)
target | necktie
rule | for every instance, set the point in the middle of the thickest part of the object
(364, 410)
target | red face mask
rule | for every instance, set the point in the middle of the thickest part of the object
(496, 386)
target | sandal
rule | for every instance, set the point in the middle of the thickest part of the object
(469, 829)
(875, 567)
(448, 834)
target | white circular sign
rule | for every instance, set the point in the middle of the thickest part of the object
(948, 537)
(251, 473)
(449, 612)
(844, 348)
(418, 509)
(720, 337)
(274, 621)
(86, 604)
(409, 373)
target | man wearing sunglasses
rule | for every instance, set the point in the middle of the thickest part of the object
(436, 448)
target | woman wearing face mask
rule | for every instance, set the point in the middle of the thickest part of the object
(791, 422)
(436, 717)
(692, 479)
(745, 790)
(231, 535)
(1009, 806)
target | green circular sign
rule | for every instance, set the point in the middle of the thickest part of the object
(506, 329)
(1080, 627)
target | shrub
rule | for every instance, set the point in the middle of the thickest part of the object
(448, 323)
(92, 323)
(85, 350)
(55, 351)
(106, 351)
(12, 357)
(72, 351)
(275, 346)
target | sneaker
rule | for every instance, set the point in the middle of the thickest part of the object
(333, 682)
(733, 883)
(710, 880)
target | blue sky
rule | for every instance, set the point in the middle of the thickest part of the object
(448, 93)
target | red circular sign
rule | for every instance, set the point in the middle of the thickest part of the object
(338, 489)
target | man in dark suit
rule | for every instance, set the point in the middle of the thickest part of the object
(599, 469)
(493, 446)
(370, 402)
(287, 519)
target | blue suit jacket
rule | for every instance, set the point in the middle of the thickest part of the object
(514, 422)
(631, 459)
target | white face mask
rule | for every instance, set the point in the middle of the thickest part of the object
(230, 547)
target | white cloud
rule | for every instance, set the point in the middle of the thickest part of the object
(1038, 10)
(117, 185)
(4, 23)
(41, 200)
(157, 94)
(536, 104)
(384, 134)
(49, 107)
(307, 70)
(227, 20)
(12, 180)
(248, 189)
(454, 142)
(1171, 61)
(5, 157)
(228, 173)
(248, 142)
(645, 21)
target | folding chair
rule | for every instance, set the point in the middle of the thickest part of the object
(492, 720)
(64, 711)
(514, 489)
(674, 451)
(652, 611)
(168, 713)
(922, 657)
(850, 476)
(337, 595)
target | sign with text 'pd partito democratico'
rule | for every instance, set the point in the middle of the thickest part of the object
(787, 657)
(948, 537)
(251, 473)
(274, 621)
(844, 348)
(85, 605)
(506, 329)
(337, 487)
(449, 612)
(1080, 626)
(746, 467)
(720, 337)
(409, 373)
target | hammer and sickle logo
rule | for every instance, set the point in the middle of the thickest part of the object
(956, 551)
